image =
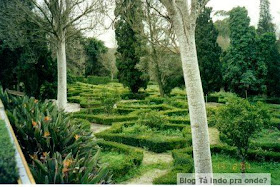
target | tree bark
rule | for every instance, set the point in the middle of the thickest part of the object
(196, 103)
(62, 75)
(157, 71)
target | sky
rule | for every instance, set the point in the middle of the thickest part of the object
(252, 6)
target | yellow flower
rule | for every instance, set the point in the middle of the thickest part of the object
(46, 134)
(35, 101)
(34, 123)
(76, 137)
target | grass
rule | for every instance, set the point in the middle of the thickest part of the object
(226, 164)
(115, 159)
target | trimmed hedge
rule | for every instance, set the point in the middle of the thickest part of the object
(268, 146)
(259, 155)
(176, 112)
(104, 119)
(92, 80)
(8, 169)
(133, 158)
(182, 163)
(135, 154)
(151, 142)
(213, 99)
(178, 120)
(146, 106)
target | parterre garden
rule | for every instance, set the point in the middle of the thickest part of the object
(118, 137)
(144, 123)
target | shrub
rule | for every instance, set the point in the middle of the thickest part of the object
(238, 121)
(152, 119)
(65, 170)
(43, 130)
(8, 169)
(105, 119)
(153, 142)
(109, 100)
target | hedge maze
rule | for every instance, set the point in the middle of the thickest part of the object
(148, 122)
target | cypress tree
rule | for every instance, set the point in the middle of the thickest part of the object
(243, 73)
(265, 22)
(208, 52)
(130, 45)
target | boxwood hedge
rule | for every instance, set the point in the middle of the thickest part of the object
(8, 169)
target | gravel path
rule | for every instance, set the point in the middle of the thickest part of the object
(99, 128)
(148, 177)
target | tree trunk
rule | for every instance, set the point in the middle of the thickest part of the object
(157, 71)
(198, 118)
(62, 77)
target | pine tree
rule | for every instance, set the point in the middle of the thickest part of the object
(130, 45)
(243, 72)
(208, 52)
(265, 22)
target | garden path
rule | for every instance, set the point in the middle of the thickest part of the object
(148, 177)
(98, 127)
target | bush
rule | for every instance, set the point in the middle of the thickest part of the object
(45, 133)
(105, 119)
(238, 121)
(8, 169)
(109, 100)
(150, 141)
(57, 169)
(139, 95)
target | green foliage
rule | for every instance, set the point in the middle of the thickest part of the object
(208, 52)
(268, 52)
(8, 170)
(94, 49)
(243, 72)
(152, 141)
(105, 119)
(26, 61)
(130, 45)
(152, 119)
(239, 120)
(47, 136)
(119, 157)
(265, 24)
(109, 100)
(69, 169)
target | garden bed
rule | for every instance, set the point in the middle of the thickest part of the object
(156, 141)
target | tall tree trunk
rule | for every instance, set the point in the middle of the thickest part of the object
(157, 71)
(62, 75)
(198, 118)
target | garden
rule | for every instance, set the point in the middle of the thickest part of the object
(172, 90)
(122, 139)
